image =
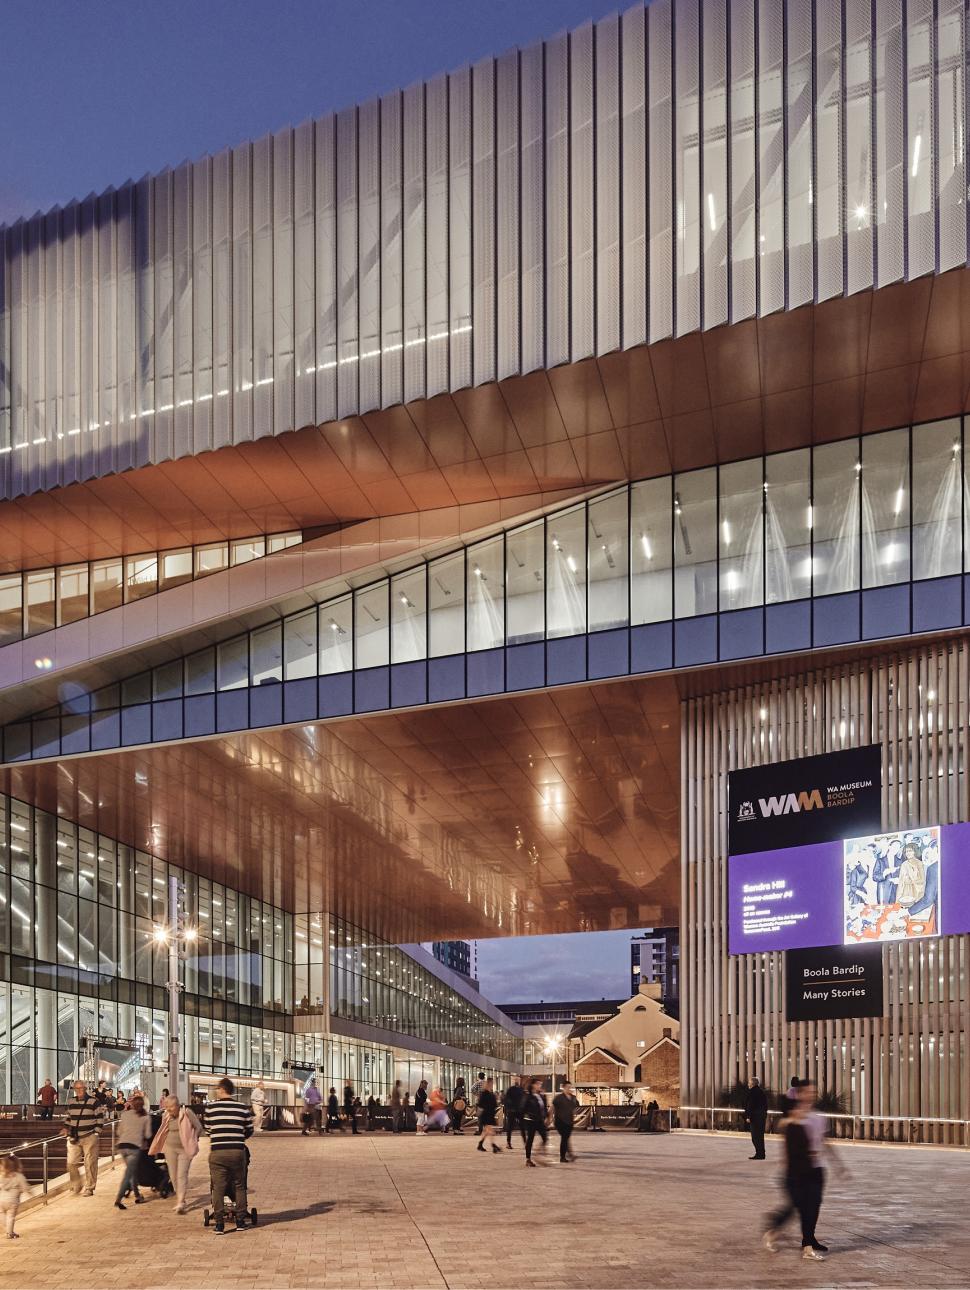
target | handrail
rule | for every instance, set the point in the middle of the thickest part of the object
(926, 1130)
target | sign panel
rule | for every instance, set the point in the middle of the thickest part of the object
(833, 981)
(879, 888)
(810, 799)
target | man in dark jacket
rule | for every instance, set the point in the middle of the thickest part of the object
(350, 1107)
(513, 1101)
(564, 1107)
(756, 1116)
(534, 1112)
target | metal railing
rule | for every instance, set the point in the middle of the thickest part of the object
(909, 1130)
(45, 1144)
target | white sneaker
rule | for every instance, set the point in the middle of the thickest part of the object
(813, 1256)
(769, 1242)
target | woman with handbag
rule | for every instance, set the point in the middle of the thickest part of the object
(178, 1139)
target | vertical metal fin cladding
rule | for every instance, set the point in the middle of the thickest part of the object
(686, 164)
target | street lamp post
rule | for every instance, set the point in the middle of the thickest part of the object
(175, 935)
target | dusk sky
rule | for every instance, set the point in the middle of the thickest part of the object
(99, 92)
(586, 965)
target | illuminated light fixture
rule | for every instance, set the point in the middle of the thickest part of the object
(726, 532)
(478, 572)
(712, 212)
(190, 933)
(858, 468)
(861, 211)
(160, 934)
(647, 548)
(763, 714)
(556, 545)
(811, 516)
(43, 664)
(917, 144)
(572, 563)
(900, 499)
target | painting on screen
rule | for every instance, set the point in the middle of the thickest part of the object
(892, 886)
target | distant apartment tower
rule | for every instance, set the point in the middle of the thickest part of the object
(456, 955)
(655, 956)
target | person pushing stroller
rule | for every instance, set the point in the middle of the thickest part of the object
(228, 1123)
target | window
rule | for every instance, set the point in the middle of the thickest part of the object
(11, 608)
(40, 616)
(300, 645)
(141, 576)
(609, 561)
(788, 526)
(233, 663)
(740, 534)
(885, 508)
(409, 619)
(175, 567)
(486, 595)
(566, 572)
(371, 634)
(246, 549)
(336, 636)
(72, 593)
(835, 509)
(695, 543)
(937, 490)
(211, 558)
(266, 654)
(525, 583)
(651, 553)
(446, 597)
(106, 588)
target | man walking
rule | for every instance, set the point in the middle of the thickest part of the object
(312, 1097)
(756, 1116)
(228, 1123)
(513, 1101)
(421, 1106)
(476, 1094)
(82, 1127)
(564, 1106)
(47, 1097)
(350, 1108)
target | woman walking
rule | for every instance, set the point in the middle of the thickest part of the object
(804, 1133)
(178, 1139)
(134, 1135)
(534, 1115)
(487, 1108)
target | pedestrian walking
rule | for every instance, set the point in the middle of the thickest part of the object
(47, 1098)
(178, 1139)
(439, 1116)
(564, 1107)
(756, 1116)
(513, 1102)
(257, 1101)
(487, 1108)
(804, 1131)
(312, 1099)
(82, 1126)
(228, 1124)
(372, 1105)
(459, 1105)
(134, 1135)
(350, 1108)
(421, 1106)
(534, 1115)
(397, 1111)
(333, 1112)
(13, 1188)
(476, 1093)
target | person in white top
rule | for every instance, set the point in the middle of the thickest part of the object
(257, 1100)
(13, 1188)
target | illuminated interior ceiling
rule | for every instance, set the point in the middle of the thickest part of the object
(547, 812)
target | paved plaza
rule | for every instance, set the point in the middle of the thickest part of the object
(380, 1211)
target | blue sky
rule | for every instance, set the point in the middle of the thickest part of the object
(98, 92)
(582, 965)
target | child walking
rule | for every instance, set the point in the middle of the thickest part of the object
(13, 1188)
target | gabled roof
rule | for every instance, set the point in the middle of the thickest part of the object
(584, 1027)
(664, 1039)
(614, 1057)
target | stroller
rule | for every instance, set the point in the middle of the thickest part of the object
(153, 1173)
(252, 1215)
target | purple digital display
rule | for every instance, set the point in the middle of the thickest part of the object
(885, 887)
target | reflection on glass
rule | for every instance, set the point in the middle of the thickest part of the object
(106, 585)
(651, 551)
(266, 654)
(409, 620)
(741, 534)
(446, 597)
(41, 614)
(200, 672)
(885, 508)
(141, 576)
(788, 526)
(175, 567)
(695, 543)
(371, 634)
(300, 645)
(609, 561)
(233, 663)
(525, 583)
(11, 608)
(72, 593)
(566, 572)
(486, 595)
(937, 494)
(212, 558)
(835, 509)
(336, 636)
(246, 549)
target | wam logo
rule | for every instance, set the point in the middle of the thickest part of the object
(789, 803)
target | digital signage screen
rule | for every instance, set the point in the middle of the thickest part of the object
(883, 887)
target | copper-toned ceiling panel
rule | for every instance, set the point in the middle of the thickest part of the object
(540, 813)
